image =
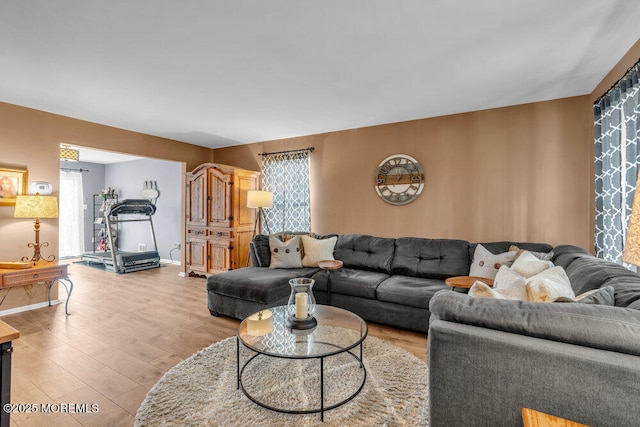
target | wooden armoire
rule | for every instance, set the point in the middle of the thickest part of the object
(219, 223)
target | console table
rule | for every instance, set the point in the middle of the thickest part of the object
(7, 334)
(42, 272)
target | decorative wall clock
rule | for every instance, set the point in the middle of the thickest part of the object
(399, 179)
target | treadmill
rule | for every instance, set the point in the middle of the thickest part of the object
(126, 262)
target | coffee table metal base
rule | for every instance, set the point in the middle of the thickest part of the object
(240, 371)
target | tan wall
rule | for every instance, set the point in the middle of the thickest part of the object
(514, 173)
(31, 139)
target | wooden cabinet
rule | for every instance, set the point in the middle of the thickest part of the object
(219, 224)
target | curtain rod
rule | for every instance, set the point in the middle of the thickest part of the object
(78, 170)
(617, 83)
(288, 151)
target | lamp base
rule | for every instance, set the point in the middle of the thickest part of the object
(308, 323)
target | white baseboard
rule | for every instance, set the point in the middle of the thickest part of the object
(29, 307)
(182, 274)
(168, 261)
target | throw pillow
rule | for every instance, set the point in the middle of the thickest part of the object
(316, 250)
(545, 256)
(507, 285)
(285, 254)
(482, 290)
(486, 264)
(635, 305)
(527, 265)
(549, 285)
(602, 296)
(510, 284)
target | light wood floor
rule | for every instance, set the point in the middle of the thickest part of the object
(124, 332)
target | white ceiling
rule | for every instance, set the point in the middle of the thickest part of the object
(218, 73)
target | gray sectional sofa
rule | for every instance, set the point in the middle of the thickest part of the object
(384, 280)
(490, 358)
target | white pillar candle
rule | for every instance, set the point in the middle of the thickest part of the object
(301, 306)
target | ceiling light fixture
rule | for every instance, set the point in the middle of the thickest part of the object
(69, 154)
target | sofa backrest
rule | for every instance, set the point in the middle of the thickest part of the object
(365, 252)
(500, 247)
(430, 258)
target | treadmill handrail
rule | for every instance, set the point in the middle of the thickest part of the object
(131, 206)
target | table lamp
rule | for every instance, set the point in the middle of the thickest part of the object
(36, 206)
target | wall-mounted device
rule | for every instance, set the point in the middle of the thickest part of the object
(40, 187)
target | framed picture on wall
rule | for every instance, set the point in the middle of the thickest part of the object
(13, 182)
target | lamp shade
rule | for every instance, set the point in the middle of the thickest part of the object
(36, 206)
(632, 245)
(259, 199)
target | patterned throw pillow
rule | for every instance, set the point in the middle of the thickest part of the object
(285, 254)
(316, 250)
(485, 264)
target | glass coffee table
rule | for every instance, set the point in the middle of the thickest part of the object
(267, 335)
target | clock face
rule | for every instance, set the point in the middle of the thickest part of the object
(399, 179)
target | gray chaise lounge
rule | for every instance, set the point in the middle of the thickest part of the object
(490, 358)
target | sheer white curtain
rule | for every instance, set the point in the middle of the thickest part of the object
(71, 214)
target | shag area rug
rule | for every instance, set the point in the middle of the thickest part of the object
(201, 390)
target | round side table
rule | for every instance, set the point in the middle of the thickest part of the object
(330, 265)
(465, 282)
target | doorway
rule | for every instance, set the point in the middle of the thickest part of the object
(71, 214)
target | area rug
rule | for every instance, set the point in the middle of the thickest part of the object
(201, 390)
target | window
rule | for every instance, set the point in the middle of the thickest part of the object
(617, 144)
(286, 175)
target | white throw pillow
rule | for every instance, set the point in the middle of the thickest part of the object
(545, 256)
(316, 250)
(485, 264)
(528, 265)
(482, 290)
(510, 284)
(285, 254)
(550, 285)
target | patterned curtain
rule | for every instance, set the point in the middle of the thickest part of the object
(617, 144)
(286, 175)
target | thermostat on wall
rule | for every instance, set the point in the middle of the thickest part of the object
(40, 187)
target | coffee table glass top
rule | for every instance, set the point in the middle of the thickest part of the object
(337, 330)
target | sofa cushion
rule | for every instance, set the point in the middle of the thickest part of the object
(353, 282)
(259, 284)
(410, 291)
(365, 252)
(430, 258)
(261, 250)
